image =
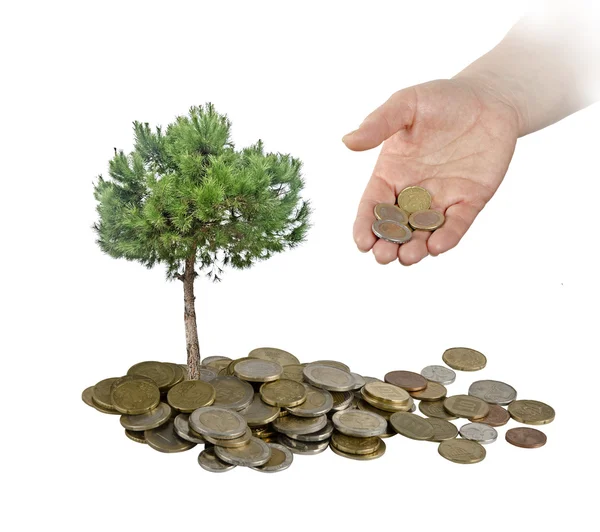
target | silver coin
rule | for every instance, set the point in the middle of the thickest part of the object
(392, 231)
(439, 374)
(259, 413)
(359, 382)
(494, 392)
(479, 432)
(320, 435)
(342, 400)
(359, 423)
(150, 420)
(206, 373)
(303, 447)
(331, 363)
(209, 461)
(317, 403)
(218, 423)
(299, 425)
(257, 370)
(329, 378)
(208, 360)
(164, 439)
(255, 453)
(281, 458)
(233, 442)
(232, 393)
(182, 428)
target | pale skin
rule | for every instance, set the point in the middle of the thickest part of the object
(456, 137)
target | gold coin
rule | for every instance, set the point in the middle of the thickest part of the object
(162, 374)
(435, 409)
(127, 378)
(464, 359)
(426, 220)
(293, 372)
(283, 393)
(101, 395)
(187, 396)
(165, 439)
(283, 358)
(531, 412)
(136, 435)
(258, 413)
(331, 364)
(387, 211)
(368, 407)
(412, 426)
(386, 406)
(354, 445)
(413, 199)
(231, 443)
(386, 393)
(466, 406)
(442, 429)
(86, 396)
(179, 374)
(462, 451)
(135, 397)
(434, 392)
(377, 454)
(391, 231)
(221, 364)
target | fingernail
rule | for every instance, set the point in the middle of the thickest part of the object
(348, 134)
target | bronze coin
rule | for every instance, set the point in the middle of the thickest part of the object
(526, 437)
(497, 416)
(408, 380)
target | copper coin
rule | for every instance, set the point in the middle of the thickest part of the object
(526, 437)
(408, 380)
(497, 416)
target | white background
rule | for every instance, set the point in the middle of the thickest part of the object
(522, 286)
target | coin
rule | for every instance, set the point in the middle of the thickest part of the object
(359, 382)
(101, 394)
(385, 393)
(359, 423)
(293, 372)
(189, 395)
(206, 361)
(135, 397)
(86, 396)
(232, 393)
(407, 380)
(303, 447)
(494, 392)
(162, 374)
(320, 435)
(299, 425)
(206, 373)
(329, 378)
(229, 370)
(283, 358)
(427, 220)
(135, 436)
(464, 359)
(331, 363)
(149, 420)
(462, 451)
(258, 370)
(377, 454)
(183, 430)
(526, 437)
(127, 378)
(284, 393)
(442, 429)
(497, 416)
(479, 432)
(354, 445)
(219, 365)
(387, 211)
(531, 412)
(317, 403)
(165, 439)
(440, 374)
(434, 392)
(233, 442)
(217, 423)
(392, 231)
(186, 371)
(412, 426)
(341, 400)
(179, 374)
(435, 409)
(367, 407)
(209, 461)
(466, 406)
(258, 412)
(255, 453)
(281, 458)
(413, 199)
(380, 405)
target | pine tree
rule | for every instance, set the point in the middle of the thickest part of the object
(185, 198)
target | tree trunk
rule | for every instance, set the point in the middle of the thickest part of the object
(191, 328)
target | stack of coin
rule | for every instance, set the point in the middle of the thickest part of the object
(395, 223)
(358, 434)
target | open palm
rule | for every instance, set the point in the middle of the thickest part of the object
(453, 138)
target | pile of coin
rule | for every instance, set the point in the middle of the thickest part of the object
(258, 411)
(395, 223)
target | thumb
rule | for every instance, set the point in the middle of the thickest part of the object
(395, 114)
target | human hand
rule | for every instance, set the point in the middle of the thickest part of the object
(455, 138)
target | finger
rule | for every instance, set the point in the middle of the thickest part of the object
(385, 252)
(459, 218)
(395, 114)
(415, 249)
(377, 191)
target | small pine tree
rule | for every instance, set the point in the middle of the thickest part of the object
(184, 197)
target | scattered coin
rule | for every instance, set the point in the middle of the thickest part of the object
(413, 199)
(135, 436)
(217, 423)
(372, 456)
(299, 425)
(494, 392)
(442, 429)
(439, 374)
(162, 374)
(354, 445)
(464, 359)
(479, 432)
(462, 451)
(183, 430)
(255, 453)
(359, 423)
(283, 393)
(231, 443)
(258, 412)
(412, 426)
(165, 439)
(303, 447)
(281, 458)
(427, 220)
(232, 393)
(320, 435)
(317, 403)
(407, 380)
(258, 370)
(466, 406)
(329, 378)
(435, 409)
(434, 392)
(150, 420)
(526, 437)
(531, 412)
(283, 358)
(497, 416)
(209, 461)
(387, 211)
(392, 231)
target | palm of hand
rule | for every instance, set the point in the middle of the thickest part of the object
(457, 145)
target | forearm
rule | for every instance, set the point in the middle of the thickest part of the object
(547, 67)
